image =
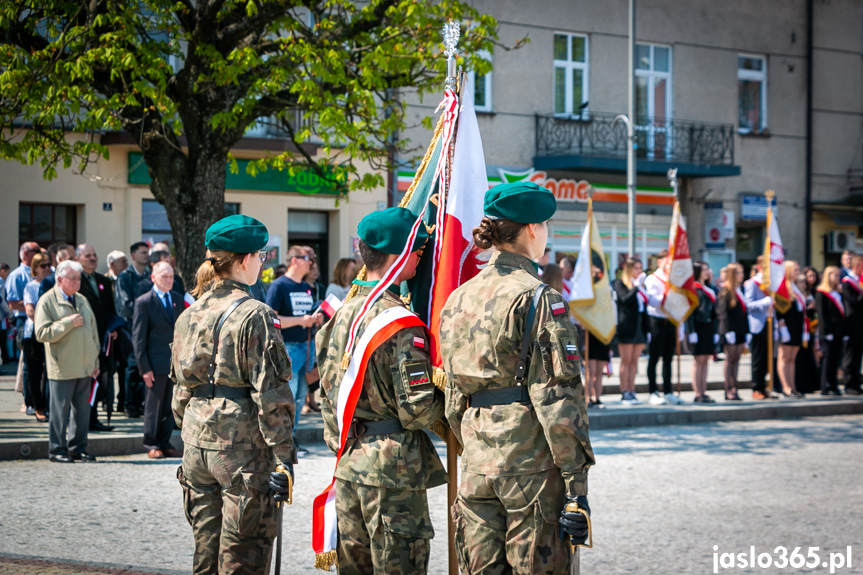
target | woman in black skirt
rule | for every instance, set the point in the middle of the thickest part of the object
(831, 328)
(702, 333)
(733, 325)
(792, 327)
(632, 326)
(808, 375)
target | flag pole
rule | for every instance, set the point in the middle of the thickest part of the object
(766, 264)
(450, 34)
(672, 178)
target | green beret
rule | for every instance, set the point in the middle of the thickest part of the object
(522, 202)
(387, 230)
(239, 234)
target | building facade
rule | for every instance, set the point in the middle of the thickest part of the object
(111, 206)
(721, 95)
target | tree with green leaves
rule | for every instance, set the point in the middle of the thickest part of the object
(187, 78)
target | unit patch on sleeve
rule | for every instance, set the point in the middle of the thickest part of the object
(571, 352)
(419, 342)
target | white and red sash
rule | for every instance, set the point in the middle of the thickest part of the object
(836, 299)
(707, 291)
(853, 282)
(740, 298)
(799, 298)
(379, 330)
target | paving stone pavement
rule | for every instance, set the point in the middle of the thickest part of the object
(662, 497)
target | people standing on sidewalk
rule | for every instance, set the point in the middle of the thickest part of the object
(291, 299)
(852, 294)
(632, 326)
(662, 342)
(131, 284)
(66, 325)
(156, 312)
(701, 331)
(15, 283)
(832, 328)
(733, 325)
(6, 317)
(759, 306)
(34, 352)
(807, 368)
(793, 332)
(99, 291)
(234, 405)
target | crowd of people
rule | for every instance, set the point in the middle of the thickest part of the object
(132, 310)
(817, 336)
(817, 333)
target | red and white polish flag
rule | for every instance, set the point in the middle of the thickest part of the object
(331, 305)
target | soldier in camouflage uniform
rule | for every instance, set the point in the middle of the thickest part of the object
(390, 462)
(526, 447)
(237, 428)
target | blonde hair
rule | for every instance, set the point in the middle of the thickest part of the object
(219, 263)
(825, 278)
(36, 262)
(626, 274)
(731, 283)
(789, 265)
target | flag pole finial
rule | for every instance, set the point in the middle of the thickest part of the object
(769, 194)
(672, 178)
(451, 33)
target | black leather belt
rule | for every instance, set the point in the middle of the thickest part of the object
(364, 428)
(502, 396)
(225, 391)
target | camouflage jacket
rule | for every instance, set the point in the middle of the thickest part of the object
(482, 325)
(404, 460)
(251, 354)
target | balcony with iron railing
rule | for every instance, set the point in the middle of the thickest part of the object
(597, 142)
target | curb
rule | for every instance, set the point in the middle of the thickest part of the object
(616, 418)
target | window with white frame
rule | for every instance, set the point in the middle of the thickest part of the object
(570, 74)
(479, 86)
(653, 106)
(752, 99)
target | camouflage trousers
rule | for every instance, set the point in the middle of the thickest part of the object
(227, 502)
(510, 524)
(382, 530)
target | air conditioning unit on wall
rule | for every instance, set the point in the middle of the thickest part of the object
(839, 241)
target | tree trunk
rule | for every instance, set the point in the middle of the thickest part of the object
(192, 190)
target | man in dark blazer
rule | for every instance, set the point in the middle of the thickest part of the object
(152, 333)
(99, 292)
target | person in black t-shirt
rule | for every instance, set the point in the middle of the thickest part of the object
(292, 300)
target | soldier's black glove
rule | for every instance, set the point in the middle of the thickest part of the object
(573, 524)
(280, 483)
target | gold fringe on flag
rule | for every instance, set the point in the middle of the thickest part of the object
(326, 561)
(439, 378)
(346, 361)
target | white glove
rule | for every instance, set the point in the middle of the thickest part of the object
(639, 281)
(829, 337)
(649, 336)
(693, 338)
(806, 336)
(846, 337)
(784, 335)
(715, 338)
(731, 338)
(748, 338)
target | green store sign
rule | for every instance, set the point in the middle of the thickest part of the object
(306, 182)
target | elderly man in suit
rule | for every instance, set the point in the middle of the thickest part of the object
(66, 325)
(99, 291)
(152, 333)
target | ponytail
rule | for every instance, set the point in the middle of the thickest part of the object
(219, 263)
